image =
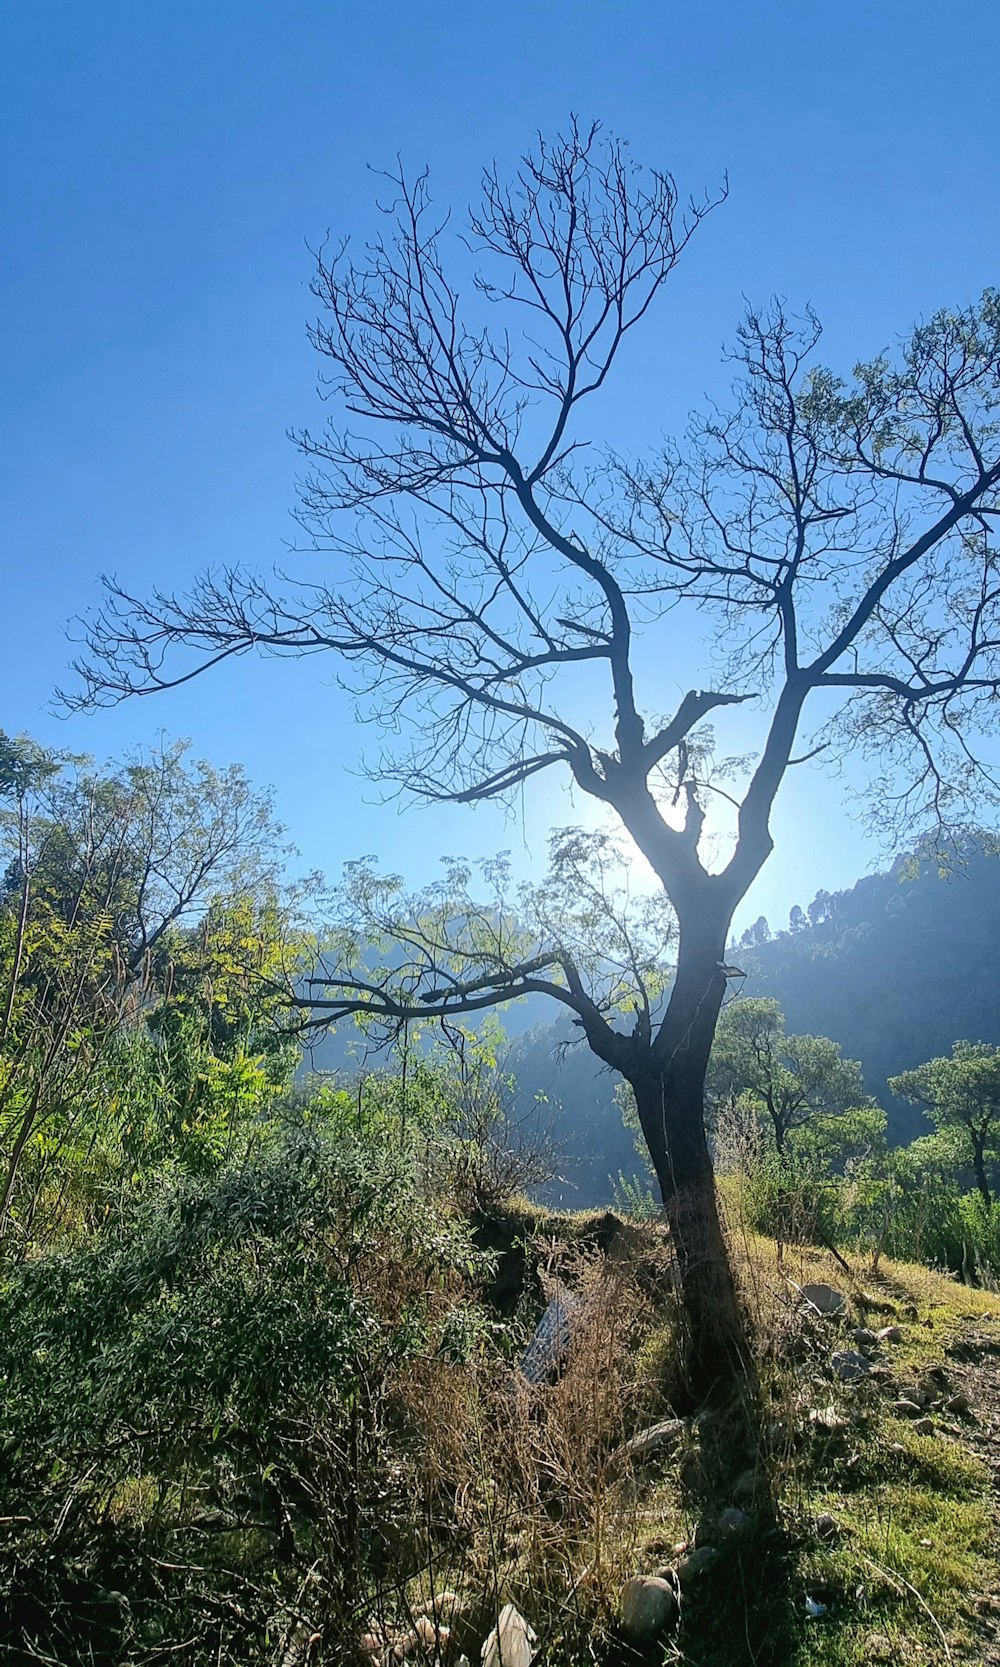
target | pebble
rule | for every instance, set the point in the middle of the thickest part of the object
(889, 1334)
(924, 1426)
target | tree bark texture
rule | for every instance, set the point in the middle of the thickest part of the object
(669, 1088)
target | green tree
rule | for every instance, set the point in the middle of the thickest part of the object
(215, 1046)
(961, 1094)
(489, 564)
(105, 871)
(799, 1084)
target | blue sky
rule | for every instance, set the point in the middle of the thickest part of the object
(165, 164)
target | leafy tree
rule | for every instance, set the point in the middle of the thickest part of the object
(106, 872)
(832, 537)
(797, 1083)
(214, 1048)
(961, 1094)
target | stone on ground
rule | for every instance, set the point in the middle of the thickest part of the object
(649, 1606)
(696, 1563)
(849, 1366)
(826, 1299)
(512, 1641)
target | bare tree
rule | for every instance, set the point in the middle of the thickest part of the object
(835, 538)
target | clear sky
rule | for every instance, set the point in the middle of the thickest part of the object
(164, 163)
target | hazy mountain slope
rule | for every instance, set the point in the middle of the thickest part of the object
(895, 969)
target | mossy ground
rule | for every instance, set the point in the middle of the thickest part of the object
(910, 1573)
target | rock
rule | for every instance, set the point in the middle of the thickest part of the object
(733, 1523)
(648, 1444)
(924, 1426)
(432, 1635)
(512, 1641)
(828, 1418)
(827, 1527)
(889, 1334)
(959, 1403)
(696, 1563)
(825, 1299)
(913, 1392)
(649, 1607)
(692, 1469)
(937, 1374)
(849, 1366)
(863, 1336)
(748, 1484)
(905, 1408)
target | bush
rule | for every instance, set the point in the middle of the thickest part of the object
(194, 1405)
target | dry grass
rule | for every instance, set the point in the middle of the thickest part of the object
(519, 1491)
(520, 1494)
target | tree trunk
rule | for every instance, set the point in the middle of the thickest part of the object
(715, 1346)
(979, 1169)
(669, 1088)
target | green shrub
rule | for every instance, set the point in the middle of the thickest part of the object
(193, 1404)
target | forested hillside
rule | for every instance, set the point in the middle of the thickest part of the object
(894, 969)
